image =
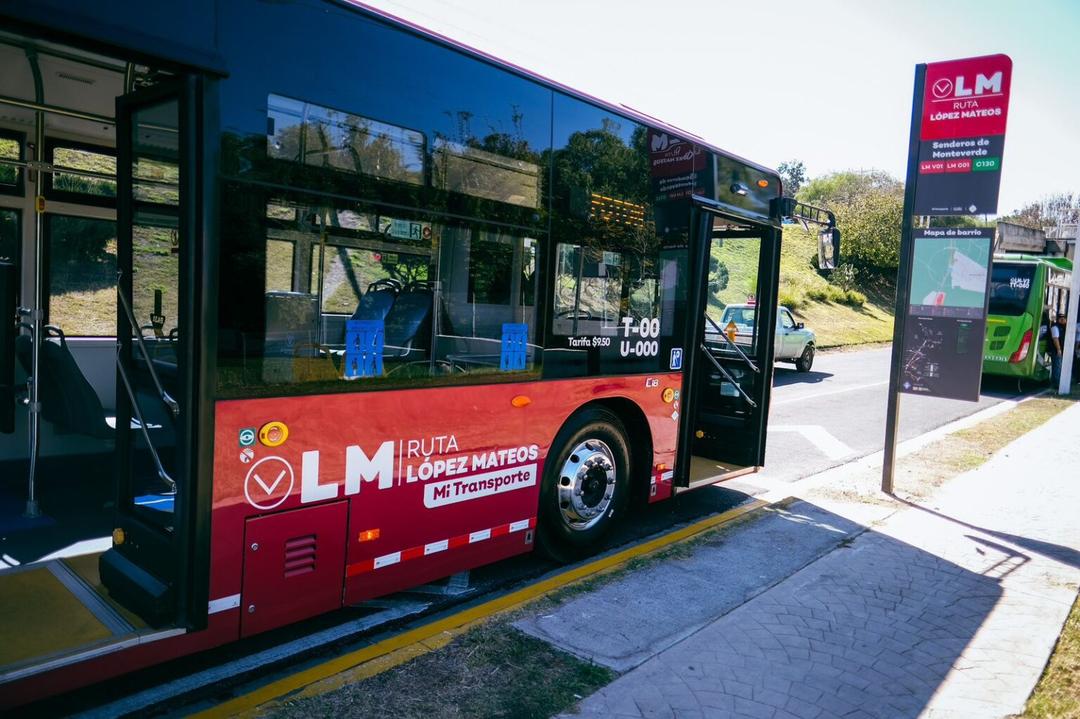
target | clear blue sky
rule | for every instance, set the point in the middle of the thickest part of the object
(827, 82)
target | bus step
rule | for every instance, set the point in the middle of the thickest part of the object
(456, 585)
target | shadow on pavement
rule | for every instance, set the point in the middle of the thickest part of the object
(870, 629)
(1057, 552)
(783, 376)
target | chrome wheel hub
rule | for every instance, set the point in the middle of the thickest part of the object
(586, 484)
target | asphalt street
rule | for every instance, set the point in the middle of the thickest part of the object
(836, 412)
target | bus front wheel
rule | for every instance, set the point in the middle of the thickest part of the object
(585, 486)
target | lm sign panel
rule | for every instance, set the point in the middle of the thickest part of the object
(965, 107)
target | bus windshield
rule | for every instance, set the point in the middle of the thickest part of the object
(1010, 287)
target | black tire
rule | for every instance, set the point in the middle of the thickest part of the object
(556, 535)
(806, 359)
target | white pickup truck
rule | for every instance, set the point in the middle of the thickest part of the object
(794, 342)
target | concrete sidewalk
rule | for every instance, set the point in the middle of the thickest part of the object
(945, 609)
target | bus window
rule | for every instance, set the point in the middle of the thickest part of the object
(9, 240)
(487, 291)
(82, 275)
(323, 137)
(79, 188)
(449, 299)
(733, 278)
(11, 148)
(1010, 288)
(280, 257)
(619, 240)
(588, 289)
(486, 174)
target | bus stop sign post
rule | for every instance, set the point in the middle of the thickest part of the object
(903, 285)
(957, 136)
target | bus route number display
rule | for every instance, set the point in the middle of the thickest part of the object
(646, 331)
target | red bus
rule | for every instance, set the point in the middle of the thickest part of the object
(314, 306)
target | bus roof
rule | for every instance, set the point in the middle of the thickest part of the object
(195, 46)
(625, 111)
(1062, 263)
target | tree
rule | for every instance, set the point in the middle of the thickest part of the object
(848, 185)
(718, 276)
(870, 222)
(1062, 208)
(869, 207)
(793, 175)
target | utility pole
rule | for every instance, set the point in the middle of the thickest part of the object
(1068, 342)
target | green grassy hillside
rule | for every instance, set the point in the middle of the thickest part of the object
(837, 319)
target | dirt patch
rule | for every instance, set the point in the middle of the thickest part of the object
(490, 671)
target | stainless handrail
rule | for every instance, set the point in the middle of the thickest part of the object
(734, 346)
(717, 365)
(162, 474)
(171, 403)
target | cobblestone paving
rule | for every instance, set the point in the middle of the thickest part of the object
(948, 610)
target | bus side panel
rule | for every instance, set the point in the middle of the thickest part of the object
(1004, 335)
(437, 480)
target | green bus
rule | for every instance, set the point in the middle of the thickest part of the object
(1025, 291)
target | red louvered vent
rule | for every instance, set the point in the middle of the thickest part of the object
(300, 555)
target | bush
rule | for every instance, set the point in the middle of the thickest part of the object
(845, 276)
(853, 298)
(831, 293)
(790, 298)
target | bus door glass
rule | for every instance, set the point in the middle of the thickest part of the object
(155, 393)
(733, 345)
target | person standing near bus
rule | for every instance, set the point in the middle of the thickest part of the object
(1057, 347)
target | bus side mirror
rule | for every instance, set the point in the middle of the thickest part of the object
(8, 323)
(829, 248)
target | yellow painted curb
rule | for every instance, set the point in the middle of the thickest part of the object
(402, 647)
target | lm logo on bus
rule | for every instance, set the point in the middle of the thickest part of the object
(448, 476)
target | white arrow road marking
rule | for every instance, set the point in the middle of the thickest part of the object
(819, 437)
(269, 490)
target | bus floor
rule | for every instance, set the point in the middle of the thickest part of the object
(705, 471)
(52, 602)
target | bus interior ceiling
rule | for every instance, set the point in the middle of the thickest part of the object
(51, 595)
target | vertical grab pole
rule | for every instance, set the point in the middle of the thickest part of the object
(33, 510)
(903, 284)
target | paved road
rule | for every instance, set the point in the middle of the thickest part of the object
(837, 412)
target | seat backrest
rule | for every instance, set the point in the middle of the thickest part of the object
(408, 323)
(375, 305)
(291, 321)
(67, 399)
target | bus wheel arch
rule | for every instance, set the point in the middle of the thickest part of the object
(641, 444)
(586, 483)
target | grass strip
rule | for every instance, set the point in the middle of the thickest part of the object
(968, 448)
(491, 671)
(923, 471)
(1057, 695)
